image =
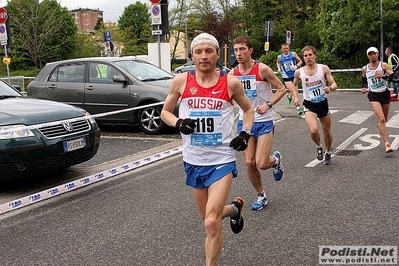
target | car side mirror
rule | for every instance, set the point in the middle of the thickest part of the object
(120, 79)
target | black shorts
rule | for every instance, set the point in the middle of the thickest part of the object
(288, 79)
(381, 97)
(321, 109)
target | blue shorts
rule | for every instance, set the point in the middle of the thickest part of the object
(259, 128)
(322, 108)
(204, 176)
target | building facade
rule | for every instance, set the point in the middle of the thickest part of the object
(86, 19)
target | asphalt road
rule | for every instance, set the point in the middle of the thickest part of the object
(147, 216)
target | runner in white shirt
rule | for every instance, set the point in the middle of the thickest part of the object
(374, 80)
(314, 79)
(206, 118)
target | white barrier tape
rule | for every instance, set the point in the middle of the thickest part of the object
(82, 182)
(346, 70)
(8, 131)
(337, 70)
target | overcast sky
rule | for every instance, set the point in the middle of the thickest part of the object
(112, 9)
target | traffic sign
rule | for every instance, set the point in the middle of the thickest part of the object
(3, 15)
(155, 1)
(107, 36)
(6, 60)
(156, 17)
(3, 33)
(157, 32)
(269, 28)
(107, 46)
(267, 45)
(288, 39)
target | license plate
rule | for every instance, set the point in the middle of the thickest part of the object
(74, 144)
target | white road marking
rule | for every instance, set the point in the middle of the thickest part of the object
(357, 117)
(340, 147)
(393, 122)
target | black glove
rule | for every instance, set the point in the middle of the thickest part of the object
(390, 78)
(185, 126)
(240, 143)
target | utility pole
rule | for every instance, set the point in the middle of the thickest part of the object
(381, 35)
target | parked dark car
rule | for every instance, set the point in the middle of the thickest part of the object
(27, 150)
(107, 84)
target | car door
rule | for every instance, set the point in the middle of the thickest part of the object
(103, 94)
(66, 84)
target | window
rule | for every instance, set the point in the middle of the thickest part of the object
(68, 73)
(102, 73)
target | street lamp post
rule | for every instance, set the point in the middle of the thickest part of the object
(381, 35)
(186, 42)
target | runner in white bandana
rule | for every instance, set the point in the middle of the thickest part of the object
(206, 125)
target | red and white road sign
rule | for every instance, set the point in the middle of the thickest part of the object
(3, 15)
(154, 2)
(288, 39)
(156, 18)
(3, 34)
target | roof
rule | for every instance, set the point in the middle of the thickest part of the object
(109, 59)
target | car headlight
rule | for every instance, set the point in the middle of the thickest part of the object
(15, 133)
(91, 119)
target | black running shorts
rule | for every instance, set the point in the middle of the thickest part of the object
(321, 109)
(381, 97)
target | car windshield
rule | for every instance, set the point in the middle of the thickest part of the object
(7, 92)
(143, 70)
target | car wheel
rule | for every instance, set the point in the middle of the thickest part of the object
(149, 120)
(179, 71)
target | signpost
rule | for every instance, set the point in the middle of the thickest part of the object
(268, 32)
(159, 23)
(4, 38)
(156, 17)
(156, 32)
(3, 30)
(3, 34)
(3, 15)
(156, 20)
(288, 39)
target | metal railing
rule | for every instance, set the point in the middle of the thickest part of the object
(17, 82)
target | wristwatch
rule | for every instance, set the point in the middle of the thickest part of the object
(269, 103)
(248, 131)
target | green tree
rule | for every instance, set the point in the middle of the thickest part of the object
(198, 15)
(42, 31)
(348, 27)
(135, 27)
(99, 24)
(89, 46)
(178, 24)
(250, 19)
